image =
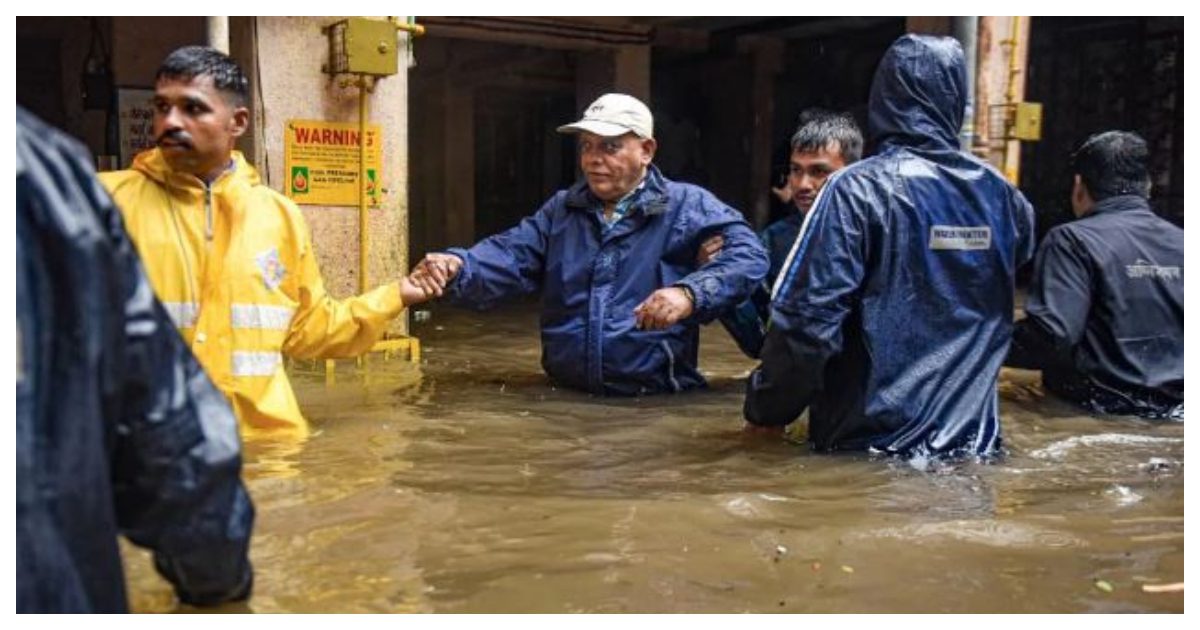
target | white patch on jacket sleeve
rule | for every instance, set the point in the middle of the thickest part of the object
(272, 269)
(960, 238)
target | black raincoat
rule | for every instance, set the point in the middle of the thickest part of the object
(118, 428)
(1105, 311)
(895, 308)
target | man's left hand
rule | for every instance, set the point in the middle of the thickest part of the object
(783, 193)
(663, 309)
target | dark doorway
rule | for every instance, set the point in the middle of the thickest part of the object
(1096, 74)
(520, 160)
(483, 116)
(39, 79)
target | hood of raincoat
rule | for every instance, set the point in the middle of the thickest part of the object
(919, 94)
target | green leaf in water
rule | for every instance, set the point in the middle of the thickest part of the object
(1104, 586)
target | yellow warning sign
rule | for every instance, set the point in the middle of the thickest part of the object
(321, 161)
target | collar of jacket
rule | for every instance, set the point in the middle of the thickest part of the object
(153, 165)
(652, 200)
(1120, 203)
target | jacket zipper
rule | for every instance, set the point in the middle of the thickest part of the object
(187, 267)
(208, 215)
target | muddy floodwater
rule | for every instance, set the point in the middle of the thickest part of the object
(469, 484)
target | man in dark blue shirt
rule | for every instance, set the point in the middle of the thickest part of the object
(1105, 311)
(614, 259)
(824, 143)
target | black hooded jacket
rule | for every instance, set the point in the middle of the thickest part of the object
(118, 428)
(1105, 311)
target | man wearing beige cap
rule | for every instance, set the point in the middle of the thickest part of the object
(613, 257)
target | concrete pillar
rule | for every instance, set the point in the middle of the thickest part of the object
(459, 196)
(1018, 63)
(217, 27)
(983, 90)
(966, 29)
(293, 87)
(1001, 77)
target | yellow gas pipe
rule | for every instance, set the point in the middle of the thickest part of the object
(362, 185)
(1012, 148)
(365, 85)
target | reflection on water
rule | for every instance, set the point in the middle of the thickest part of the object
(471, 485)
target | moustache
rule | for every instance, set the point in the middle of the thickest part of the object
(175, 137)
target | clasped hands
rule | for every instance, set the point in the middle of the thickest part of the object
(433, 273)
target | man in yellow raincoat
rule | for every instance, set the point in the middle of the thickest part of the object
(230, 258)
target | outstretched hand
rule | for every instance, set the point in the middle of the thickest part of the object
(663, 309)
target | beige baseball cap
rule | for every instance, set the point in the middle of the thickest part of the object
(614, 115)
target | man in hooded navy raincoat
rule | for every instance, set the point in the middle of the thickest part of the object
(118, 428)
(895, 310)
(614, 259)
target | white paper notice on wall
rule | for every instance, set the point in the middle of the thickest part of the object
(135, 115)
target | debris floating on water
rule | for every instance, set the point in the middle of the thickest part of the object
(847, 568)
(1157, 465)
(1104, 586)
(1177, 587)
(1122, 495)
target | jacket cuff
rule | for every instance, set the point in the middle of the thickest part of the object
(454, 287)
(702, 303)
(387, 299)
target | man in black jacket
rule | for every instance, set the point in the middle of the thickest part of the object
(1105, 311)
(118, 428)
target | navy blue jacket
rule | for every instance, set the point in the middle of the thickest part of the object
(1105, 311)
(592, 279)
(895, 311)
(118, 428)
(778, 238)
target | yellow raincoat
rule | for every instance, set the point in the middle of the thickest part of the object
(234, 265)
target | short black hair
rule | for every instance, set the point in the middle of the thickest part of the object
(820, 127)
(190, 62)
(1113, 163)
